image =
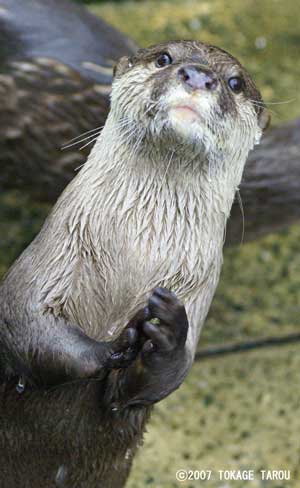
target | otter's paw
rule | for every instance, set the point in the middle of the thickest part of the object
(125, 349)
(170, 334)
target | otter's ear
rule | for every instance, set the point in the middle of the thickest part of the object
(122, 66)
(264, 119)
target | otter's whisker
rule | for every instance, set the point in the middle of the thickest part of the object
(82, 140)
(79, 167)
(240, 202)
(167, 169)
(260, 105)
(281, 102)
(137, 144)
(89, 142)
(128, 133)
(74, 382)
(70, 143)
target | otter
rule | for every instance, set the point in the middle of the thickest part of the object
(101, 314)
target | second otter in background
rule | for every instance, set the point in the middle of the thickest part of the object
(148, 209)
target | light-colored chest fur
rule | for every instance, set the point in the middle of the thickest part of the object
(131, 229)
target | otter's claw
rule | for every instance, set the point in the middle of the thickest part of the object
(124, 350)
(170, 334)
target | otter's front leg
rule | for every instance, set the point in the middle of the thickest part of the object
(47, 350)
(163, 361)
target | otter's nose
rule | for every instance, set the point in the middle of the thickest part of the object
(197, 78)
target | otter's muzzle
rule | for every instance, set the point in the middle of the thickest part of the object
(195, 77)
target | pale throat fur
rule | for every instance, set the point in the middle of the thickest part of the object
(140, 219)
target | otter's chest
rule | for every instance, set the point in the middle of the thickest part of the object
(140, 256)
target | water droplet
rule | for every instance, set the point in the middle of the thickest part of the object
(61, 475)
(21, 385)
(128, 454)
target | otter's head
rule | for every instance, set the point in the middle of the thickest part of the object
(191, 92)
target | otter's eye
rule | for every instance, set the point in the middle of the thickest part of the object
(236, 84)
(163, 60)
